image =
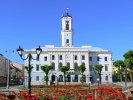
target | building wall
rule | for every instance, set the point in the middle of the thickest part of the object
(67, 57)
(3, 69)
(105, 73)
(68, 51)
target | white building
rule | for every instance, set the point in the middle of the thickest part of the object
(71, 56)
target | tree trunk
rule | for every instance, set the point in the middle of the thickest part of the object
(126, 77)
(121, 77)
(46, 79)
(131, 77)
(99, 76)
(64, 79)
(82, 79)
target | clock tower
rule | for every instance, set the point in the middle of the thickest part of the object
(67, 32)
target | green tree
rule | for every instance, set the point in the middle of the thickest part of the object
(119, 64)
(46, 69)
(29, 69)
(98, 68)
(64, 69)
(129, 62)
(81, 69)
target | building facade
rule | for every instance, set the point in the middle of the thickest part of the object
(4, 63)
(16, 73)
(10, 69)
(68, 55)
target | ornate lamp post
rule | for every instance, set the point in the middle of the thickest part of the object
(29, 57)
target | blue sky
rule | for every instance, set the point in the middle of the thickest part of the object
(102, 23)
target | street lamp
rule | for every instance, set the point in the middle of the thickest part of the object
(29, 57)
(8, 67)
(98, 82)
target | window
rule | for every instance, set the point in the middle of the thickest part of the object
(90, 58)
(37, 67)
(53, 57)
(98, 58)
(106, 78)
(67, 41)
(83, 57)
(75, 66)
(106, 67)
(75, 57)
(37, 78)
(83, 63)
(60, 57)
(105, 58)
(45, 58)
(67, 25)
(68, 64)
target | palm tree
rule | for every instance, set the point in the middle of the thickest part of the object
(129, 62)
(29, 69)
(119, 64)
(64, 69)
(46, 69)
(82, 68)
(98, 68)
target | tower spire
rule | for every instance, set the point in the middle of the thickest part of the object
(67, 11)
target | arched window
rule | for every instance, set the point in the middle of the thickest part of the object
(83, 63)
(60, 65)
(76, 78)
(60, 78)
(53, 78)
(68, 78)
(106, 78)
(53, 65)
(67, 41)
(75, 66)
(68, 64)
(67, 25)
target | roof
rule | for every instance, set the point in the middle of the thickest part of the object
(84, 48)
(96, 49)
(17, 65)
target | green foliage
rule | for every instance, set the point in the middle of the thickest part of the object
(46, 78)
(128, 54)
(46, 69)
(83, 79)
(81, 68)
(129, 62)
(29, 69)
(98, 68)
(119, 64)
(64, 69)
